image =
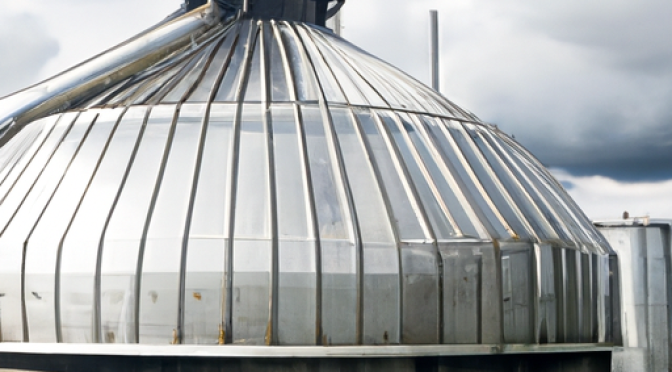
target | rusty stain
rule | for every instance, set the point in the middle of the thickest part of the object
(324, 340)
(386, 337)
(197, 296)
(465, 279)
(269, 333)
(222, 335)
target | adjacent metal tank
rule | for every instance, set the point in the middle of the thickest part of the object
(228, 179)
(644, 274)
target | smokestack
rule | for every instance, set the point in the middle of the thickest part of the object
(434, 20)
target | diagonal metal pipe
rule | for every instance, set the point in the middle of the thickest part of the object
(104, 70)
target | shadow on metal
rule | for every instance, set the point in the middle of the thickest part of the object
(564, 362)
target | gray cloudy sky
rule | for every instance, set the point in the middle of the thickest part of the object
(586, 86)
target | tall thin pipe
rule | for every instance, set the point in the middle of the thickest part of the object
(434, 16)
(337, 24)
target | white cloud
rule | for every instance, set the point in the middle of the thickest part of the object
(584, 86)
(25, 48)
(82, 28)
(605, 198)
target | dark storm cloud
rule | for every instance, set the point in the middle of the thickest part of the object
(632, 35)
(642, 157)
(585, 86)
(25, 47)
(628, 135)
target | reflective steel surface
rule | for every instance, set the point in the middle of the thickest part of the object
(272, 184)
(643, 248)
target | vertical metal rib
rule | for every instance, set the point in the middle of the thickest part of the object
(204, 50)
(348, 60)
(59, 337)
(101, 244)
(24, 314)
(24, 311)
(518, 195)
(413, 196)
(194, 188)
(291, 84)
(315, 225)
(28, 163)
(150, 84)
(388, 206)
(479, 188)
(491, 175)
(345, 183)
(16, 160)
(96, 310)
(265, 34)
(212, 52)
(342, 179)
(169, 93)
(452, 178)
(187, 226)
(39, 175)
(150, 213)
(561, 196)
(250, 28)
(427, 176)
(234, 38)
(425, 215)
(561, 228)
(209, 85)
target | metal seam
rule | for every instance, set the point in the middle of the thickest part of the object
(345, 183)
(233, 172)
(96, 325)
(194, 189)
(28, 162)
(308, 182)
(103, 235)
(39, 218)
(24, 314)
(529, 186)
(380, 185)
(21, 150)
(264, 33)
(514, 182)
(478, 155)
(150, 213)
(38, 176)
(441, 153)
(342, 180)
(414, 199)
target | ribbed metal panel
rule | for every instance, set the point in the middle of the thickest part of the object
(276, 185)
(643, 279)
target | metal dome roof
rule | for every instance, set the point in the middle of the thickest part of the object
(270, 183)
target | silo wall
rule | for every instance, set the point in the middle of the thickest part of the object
(644, 271)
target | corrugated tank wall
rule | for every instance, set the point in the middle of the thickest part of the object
(644, 273)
